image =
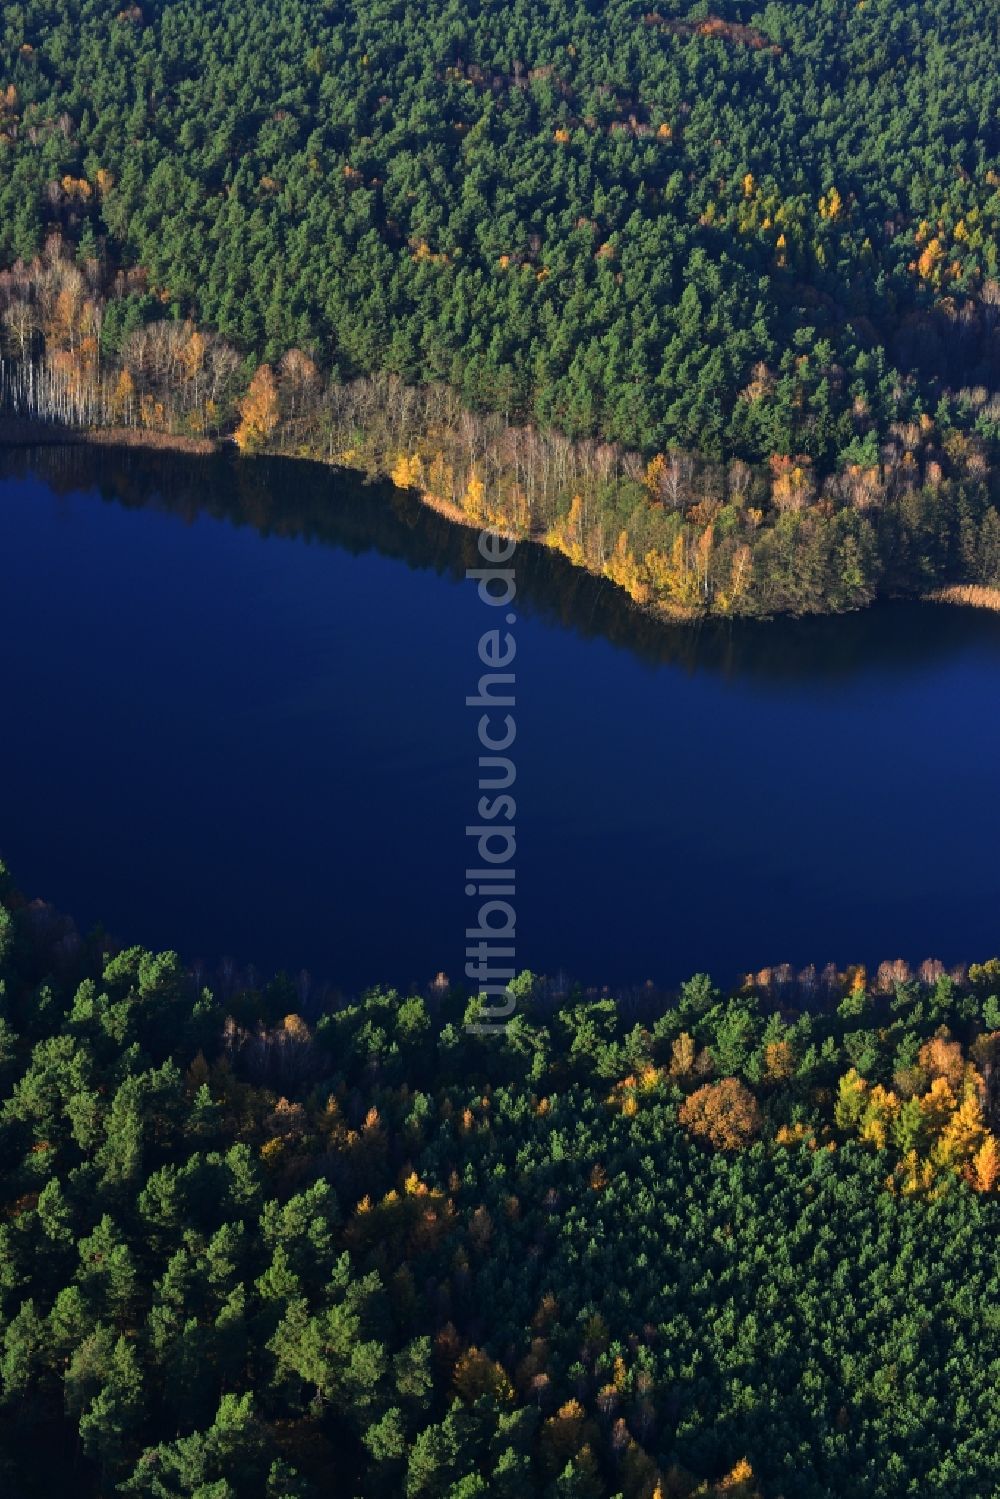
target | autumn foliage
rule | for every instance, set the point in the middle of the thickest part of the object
(259, 411)
(489, 1267)
(934, 1118)
(725, 1114)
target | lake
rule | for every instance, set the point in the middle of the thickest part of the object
(234, 723)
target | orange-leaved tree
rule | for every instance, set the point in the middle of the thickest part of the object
(725, 1114)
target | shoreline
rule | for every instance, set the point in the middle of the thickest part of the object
(26, 432)
(967, 595)
(459, 517)
(663, 612)
(17, 431)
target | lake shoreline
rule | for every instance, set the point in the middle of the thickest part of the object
(287, 639)
(18, 431)
(966, 595)
(26, 432)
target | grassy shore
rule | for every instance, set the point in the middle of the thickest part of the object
(17, 432)
(973, 595)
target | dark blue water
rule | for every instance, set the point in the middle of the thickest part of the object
(233, 723)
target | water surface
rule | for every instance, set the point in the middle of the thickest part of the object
(233, 723)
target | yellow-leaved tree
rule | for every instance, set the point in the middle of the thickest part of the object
(408, 471)
(986, 1165)
(123, 400)
(879, 1116)
(960, 1140)
(622, 568)
(566, 535)
(474, 498)
(259, 411)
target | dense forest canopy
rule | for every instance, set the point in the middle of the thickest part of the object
(730, 1246)
(742, 231)
(705, 299)
(637, 1247)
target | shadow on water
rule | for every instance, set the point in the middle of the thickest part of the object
(274, 758)
(294, 498)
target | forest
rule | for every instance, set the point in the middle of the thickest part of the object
(705, 298)
(255, 1244)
